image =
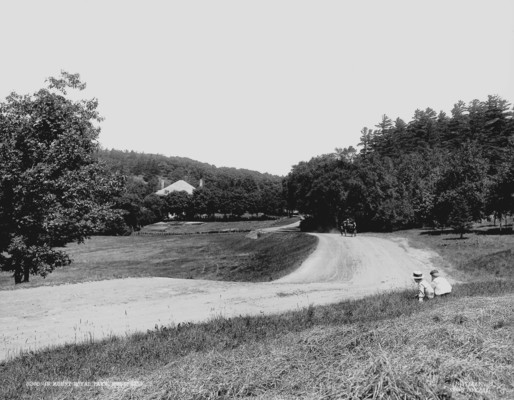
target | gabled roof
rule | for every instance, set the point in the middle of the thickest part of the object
(178, 186)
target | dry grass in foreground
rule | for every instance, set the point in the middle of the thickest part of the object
(380, 347)
(459, 350)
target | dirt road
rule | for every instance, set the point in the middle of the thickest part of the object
(340, 268)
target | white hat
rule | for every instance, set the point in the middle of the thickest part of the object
(417, 275)
(434, 273)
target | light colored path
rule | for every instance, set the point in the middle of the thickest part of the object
(340, 268)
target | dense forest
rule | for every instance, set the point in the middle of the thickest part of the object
(435, 170)
(225, 192)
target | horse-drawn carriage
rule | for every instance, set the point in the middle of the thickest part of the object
(348, 227)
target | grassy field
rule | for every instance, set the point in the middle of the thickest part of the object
(478, 256)
(185, 228)
(381, 347)
(230, 256)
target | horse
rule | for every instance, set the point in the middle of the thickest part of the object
(349, 227)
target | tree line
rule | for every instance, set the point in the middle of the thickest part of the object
(436, 170)
(226, 193)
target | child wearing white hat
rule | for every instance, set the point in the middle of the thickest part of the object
(425, 290)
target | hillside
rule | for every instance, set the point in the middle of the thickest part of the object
(450, 350)
(174, 168)
(384, 346)
(229, 192)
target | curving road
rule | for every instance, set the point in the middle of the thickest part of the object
(340, 268)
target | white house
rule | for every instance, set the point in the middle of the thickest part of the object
(178, 186)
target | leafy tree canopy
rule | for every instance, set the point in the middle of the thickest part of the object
(52, 189)
(437, 169)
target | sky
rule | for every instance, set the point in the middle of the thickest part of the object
(258, 84)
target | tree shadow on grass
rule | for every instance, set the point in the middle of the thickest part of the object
(438, 232)
(489, 232)
(494, 231)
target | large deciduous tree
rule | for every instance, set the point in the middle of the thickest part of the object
(53, 191)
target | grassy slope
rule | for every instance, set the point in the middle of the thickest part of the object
(431, 354)
(385, 345)
(220, 257)
(476, 257)
(380, 343)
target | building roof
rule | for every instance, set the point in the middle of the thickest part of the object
(178, 186)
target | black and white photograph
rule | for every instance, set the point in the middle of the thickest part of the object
(269, 200)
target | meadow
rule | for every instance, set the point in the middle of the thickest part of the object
(385, 346)
(195, 227)
(483, 254)
(191, 252)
